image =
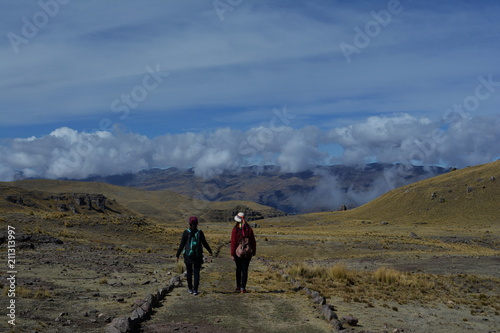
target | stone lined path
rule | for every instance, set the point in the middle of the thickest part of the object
(270, 306)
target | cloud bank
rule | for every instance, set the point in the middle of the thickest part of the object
(457, 140)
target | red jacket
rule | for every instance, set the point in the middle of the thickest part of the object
(237, 234)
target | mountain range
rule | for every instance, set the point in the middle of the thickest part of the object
(323, 188)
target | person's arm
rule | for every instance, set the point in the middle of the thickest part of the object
(253, 243)
(233, 243)
(205, 243)
(183, 243)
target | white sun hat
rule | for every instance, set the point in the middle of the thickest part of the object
(239, 217)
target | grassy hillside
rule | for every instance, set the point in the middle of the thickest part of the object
(19, 200)
(466, 196)
(160, 205)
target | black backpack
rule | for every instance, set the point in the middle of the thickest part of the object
(193, 246)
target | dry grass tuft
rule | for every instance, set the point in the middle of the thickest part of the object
(390, 276)
(179, 267)
(388, 284)
(24, 292)
(338, 272)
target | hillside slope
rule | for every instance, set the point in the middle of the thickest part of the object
(19, 200)
(161, 205)
(470, 195)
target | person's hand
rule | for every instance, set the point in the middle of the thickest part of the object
(177, 259)
(232, 257)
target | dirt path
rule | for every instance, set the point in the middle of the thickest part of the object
(270, 306)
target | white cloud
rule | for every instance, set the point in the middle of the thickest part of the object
(459, 142)
(67, 153)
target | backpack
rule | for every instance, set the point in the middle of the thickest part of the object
(192, 248)
(244, 250)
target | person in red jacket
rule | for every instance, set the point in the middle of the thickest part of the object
(243, 247)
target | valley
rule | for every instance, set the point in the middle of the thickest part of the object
(404, 261)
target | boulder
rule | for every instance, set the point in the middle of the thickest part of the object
(328, 313)
(337, 325)
(350, 320)
(119, 325)
(138, 315)
(319, 300)
(176, 281)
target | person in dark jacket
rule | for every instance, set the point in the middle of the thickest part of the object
(240, 231)
(193, 260)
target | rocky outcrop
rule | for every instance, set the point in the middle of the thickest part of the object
(20, 200)
(71, 201)
(226, 215)
(76, 203)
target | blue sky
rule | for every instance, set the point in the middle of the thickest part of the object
(357, 81)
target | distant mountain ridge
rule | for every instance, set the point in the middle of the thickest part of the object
(322, 188)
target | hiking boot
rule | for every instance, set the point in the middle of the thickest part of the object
(191, 291)
(195, 292)
(243, 291)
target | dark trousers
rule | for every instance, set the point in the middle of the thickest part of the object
(193, 268)
(242, 271)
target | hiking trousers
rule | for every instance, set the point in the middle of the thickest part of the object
(193, 269)
(242, 271)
